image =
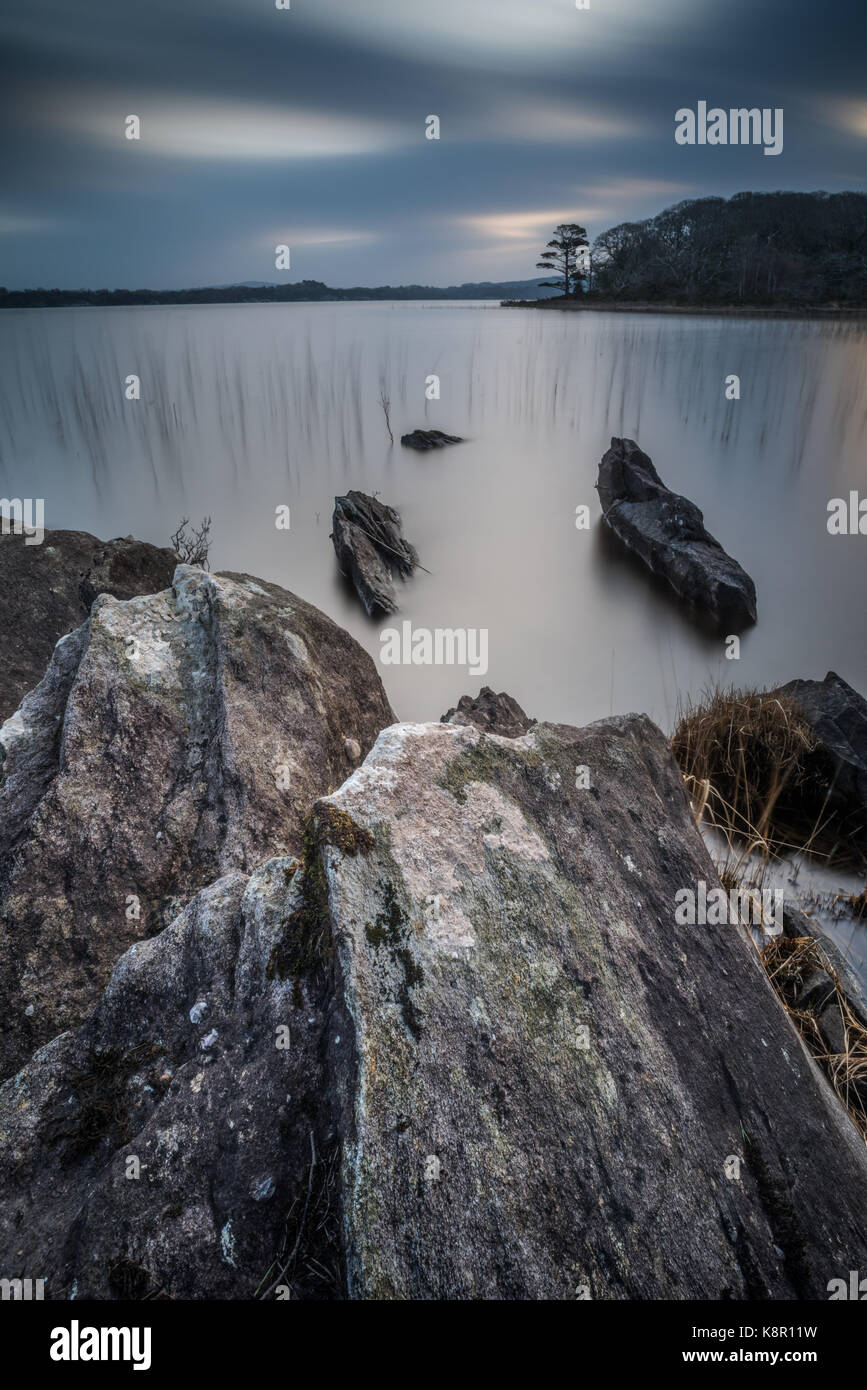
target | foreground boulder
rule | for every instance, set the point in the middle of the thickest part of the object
(174, 738)
(371, 549)
(47, 590)
(544, 1080)
(837, 717)
(495, 714)
(667, 531)
(429, 439)
(460, 1048)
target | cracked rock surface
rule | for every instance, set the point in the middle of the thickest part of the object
(174, 738)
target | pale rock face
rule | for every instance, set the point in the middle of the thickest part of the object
(174, 738)
(541, 1075)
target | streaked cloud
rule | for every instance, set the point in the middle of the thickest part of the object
(850, 116)
(528, 226)
(485, 31)
(215, 129)
(548, 121)
(23, 224)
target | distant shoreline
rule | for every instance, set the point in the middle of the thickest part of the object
(620, 306)
(297, 292)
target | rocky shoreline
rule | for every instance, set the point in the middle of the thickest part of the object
(302, 1001)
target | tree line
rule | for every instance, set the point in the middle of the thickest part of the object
(754, 248)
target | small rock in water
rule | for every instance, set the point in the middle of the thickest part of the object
(429, 439)
(496, 714)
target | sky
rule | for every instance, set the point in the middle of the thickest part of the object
(306, 127)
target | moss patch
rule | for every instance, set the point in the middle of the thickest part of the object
(391, 932)
(486, 761)
(305, 946)
(337, 828)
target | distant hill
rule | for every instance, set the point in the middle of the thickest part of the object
(258, 292)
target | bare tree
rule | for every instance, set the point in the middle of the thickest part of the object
(385, 402)
(192, 547)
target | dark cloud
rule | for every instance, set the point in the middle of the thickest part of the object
(307, 126)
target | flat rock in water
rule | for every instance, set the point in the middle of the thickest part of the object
(495, 714)
(371, 549)
(429, 439)
(47, 590)
(837, 716)
(667, 531)
(175, 738)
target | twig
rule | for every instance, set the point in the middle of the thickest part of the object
(281, 1275)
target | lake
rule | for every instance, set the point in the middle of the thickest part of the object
(245, 408)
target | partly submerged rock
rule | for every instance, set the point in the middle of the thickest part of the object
(667, 531)
(47, 590)
(174, 738)
(818, 986)
(371, 549)
(547, 1087)
(429, 439)
(837, 717)
(168, 1144)
(495, 714)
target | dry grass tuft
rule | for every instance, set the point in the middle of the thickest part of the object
(753, 768)
(789, 961)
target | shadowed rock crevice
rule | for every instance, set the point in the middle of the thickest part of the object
(183, 1131)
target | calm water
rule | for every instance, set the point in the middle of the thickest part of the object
(247, 407)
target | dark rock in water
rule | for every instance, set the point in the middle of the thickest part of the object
(175, 738)
(495, 714)
(429, 439)
(837, 716)
(371, 549)
(796, 923)
(47, 590)
(667, 531)
(540, 1068)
